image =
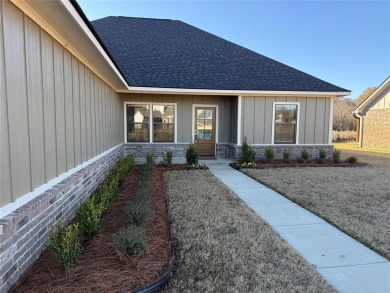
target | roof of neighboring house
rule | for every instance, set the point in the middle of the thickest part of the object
(363, 107)
(163, 53)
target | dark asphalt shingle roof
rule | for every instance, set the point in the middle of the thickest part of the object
(172, 54)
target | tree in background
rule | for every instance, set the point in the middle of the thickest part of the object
(342, 115)
(344, 124)
(368, 91)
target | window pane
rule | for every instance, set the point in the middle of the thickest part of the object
(137, 123)
(163, 132)
(137, 132)
(137, 113)
(208, 114)
(200, 114)
(164, 123)
(285, 124)
(285, 133)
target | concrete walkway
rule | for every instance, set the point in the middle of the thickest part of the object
(344, 262)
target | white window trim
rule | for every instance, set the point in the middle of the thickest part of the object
(273, 120)
(193, 120)
(150, 104)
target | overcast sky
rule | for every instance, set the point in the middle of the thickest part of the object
(346, 43)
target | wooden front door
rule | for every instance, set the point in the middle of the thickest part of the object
(205, 118)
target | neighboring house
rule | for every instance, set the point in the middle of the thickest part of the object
(374, 118)
(75, 97)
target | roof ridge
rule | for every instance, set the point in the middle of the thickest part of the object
(136, 17)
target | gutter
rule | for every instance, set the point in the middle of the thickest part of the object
(81, 13)
(359, 116)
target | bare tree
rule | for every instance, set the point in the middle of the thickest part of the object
(367, 92)
(342, 114)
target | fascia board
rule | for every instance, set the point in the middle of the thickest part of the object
(360, 110)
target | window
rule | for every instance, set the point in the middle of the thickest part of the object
(138, 123)
(285, 128)
(139, 126)
(163, 123)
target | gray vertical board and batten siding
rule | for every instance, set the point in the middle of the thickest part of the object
(184, 112)
(256, 119)
(382, 101)
(52, 107)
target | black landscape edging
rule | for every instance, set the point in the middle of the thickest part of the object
(261, 167)
(164, 280)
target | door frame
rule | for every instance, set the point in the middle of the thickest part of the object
(216, 122)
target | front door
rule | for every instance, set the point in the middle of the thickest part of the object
(205, 130)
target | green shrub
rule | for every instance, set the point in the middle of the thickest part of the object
(64, 245)
(351, 160)
(286, 156)
(248, 154)
(268, 155)
(336, 155)
(90, 218)
(192, 155)
(130, 240)
(138, 211)
(304, 155)
(197, 166)
(322, 154)
(167, 159)
(151, 158)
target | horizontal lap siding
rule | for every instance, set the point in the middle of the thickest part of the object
(55, 112)
(257, 120)
(185, 115)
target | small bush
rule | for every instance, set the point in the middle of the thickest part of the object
(64, 245)
(90, 218)
(268, 155)
(130, 240)
(192, 155)
(197, 166)
(336, 155)
(322, 154)
(167, 159)
(248, 154)
(138, 211)
(351, 160)
(286, 156)
(304, 155)
(151, 158)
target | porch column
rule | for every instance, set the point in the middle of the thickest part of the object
(239, 121)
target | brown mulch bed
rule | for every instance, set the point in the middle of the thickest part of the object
(309, 163)
(101, 268)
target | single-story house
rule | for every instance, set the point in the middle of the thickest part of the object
(373, 116)
(76, 96)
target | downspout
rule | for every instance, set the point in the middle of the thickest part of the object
(360, 117)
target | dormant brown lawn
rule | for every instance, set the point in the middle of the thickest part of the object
(356, 200)
(223, 246)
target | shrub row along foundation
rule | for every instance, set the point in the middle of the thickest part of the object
(64, 241)
(24, 232)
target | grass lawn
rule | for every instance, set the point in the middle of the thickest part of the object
(354, 146)
(356, 200)
(223, 246)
